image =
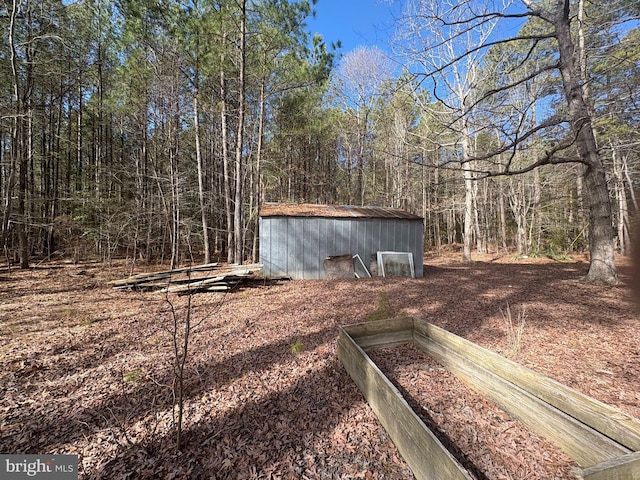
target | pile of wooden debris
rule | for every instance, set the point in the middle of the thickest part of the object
(210, 277)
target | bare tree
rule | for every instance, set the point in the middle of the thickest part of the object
(15, 123)
(181, 326)
(22, 64)
(362, 75)
(446, 51)
(567, 131)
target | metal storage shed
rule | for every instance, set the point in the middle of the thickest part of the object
(296, 238)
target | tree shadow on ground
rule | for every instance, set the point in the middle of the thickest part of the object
(273, 433)
(271, 428)
(470, 296)
(445, 439)
(132, 401)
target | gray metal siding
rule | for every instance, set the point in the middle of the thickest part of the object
(297, 246)
(311, 247)
(273, 244)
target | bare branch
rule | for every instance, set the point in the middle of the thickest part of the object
(484, 46)
(550, 157)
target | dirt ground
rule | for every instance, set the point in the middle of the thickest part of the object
(88, 370)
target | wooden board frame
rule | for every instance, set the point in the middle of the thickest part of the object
(603, 440)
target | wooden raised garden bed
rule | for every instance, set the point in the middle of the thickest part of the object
(602, 440)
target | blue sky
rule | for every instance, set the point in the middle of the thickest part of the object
(354, 22)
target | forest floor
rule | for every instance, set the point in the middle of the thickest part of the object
(88, 370)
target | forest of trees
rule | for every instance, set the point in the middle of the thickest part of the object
(154, 129)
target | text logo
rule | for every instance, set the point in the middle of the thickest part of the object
(50, 467)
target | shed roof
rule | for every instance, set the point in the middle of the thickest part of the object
(333, 211)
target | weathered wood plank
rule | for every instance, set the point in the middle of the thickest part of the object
(421, 449)
(389, 332)
(223, 278)
(378, 327)
(386, 339)
(164, 274)
(202, 283)
(139, 279)
(585, 445)
(604, 418)
(622, 468)
(220, 288)
(207, 267)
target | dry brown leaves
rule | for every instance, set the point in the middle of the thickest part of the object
(87, 370)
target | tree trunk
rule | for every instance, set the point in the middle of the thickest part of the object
(258, 183)
(436, 214)
(469, 186)
(225, 153)
(534, 222)
(237, 214)
(519, 208)
(630, 184)
(602, 267)
(15, 122)
(503, 218)
(201, 195)
(623, 208)
(175, 210)
(476, 219)
(360, 165)
(25, 157)
(23, 140)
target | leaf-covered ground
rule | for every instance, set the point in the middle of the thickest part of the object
(88, 370)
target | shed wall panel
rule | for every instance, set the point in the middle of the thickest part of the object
(357, 239)
(343, 237)
(329, 243)
(418, 243)
(311, 261)
(273, 248)
(324, 241)
(370, 237)
(265, 244)
(297, 246)
(386, 234)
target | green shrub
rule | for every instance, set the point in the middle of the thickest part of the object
(297, 347)
(134, 376)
